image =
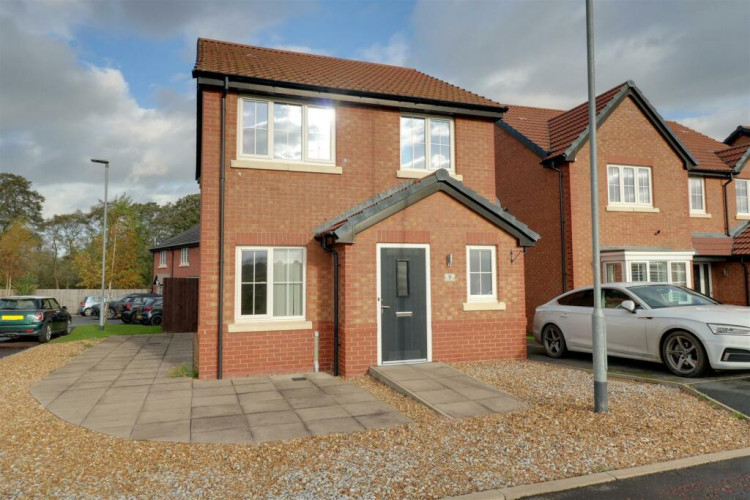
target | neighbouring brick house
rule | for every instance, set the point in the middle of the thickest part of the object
(383, 169)
(661, 197)
(177, 257)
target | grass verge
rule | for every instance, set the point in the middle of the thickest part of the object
(183, 370)
(92, 332)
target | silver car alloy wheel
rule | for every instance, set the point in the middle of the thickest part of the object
(682, 354)
(553, 340)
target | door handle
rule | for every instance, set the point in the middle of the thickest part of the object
(563, 315)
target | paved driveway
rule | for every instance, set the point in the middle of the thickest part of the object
(731, 388)
(122, 387)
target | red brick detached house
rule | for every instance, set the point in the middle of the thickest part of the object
(662, 192)
(177, 257)
(380, 176)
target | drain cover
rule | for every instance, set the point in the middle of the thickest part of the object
(298, 379)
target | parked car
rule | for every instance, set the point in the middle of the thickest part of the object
(151, 314)
(133, 307)
(33, 316)
(670, 324)
(116, 306)
(88, 303)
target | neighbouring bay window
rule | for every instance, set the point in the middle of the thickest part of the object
(286, 131)
(697, 190)
(643, 266)
(184, 256)
(659, 271)
(481, 273)
(629, 186)
(426, 143)
(270, 283)
(163, 258)
(742, 187)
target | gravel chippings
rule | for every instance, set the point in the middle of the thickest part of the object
(557, 436)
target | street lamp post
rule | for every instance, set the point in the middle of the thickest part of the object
(104, 309)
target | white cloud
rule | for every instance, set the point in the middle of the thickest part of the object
(395, 52)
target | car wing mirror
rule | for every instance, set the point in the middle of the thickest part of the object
(628, 305)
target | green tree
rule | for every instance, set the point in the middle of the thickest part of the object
(20, 202)
(182, 214)
(17, 246)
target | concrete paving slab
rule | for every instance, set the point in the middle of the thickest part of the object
(120, 387)
(441, 396)
(501, 404)
(462, 409)
(265, 433)
(333, 426)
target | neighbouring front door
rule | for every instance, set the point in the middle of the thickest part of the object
(702, 278)
(403, 304)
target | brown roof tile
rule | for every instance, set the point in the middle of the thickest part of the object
(703, 148)
(329, 72)
(712, 245)
(564, 129)
(532, 123)
(731, 156)
(742, 243)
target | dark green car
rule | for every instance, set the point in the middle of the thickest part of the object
(33, 316)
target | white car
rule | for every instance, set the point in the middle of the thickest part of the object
(669, 324)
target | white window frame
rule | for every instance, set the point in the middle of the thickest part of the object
(746, 183)
(184, 257)
(493, 260)
(628, 257)
(668, 262)
(428, 141)
(703, 194)
(305, 160)
(637, 202)
(163, 258)
(268, 317)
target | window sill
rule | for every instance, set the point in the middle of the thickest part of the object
(700, 215)
(184, 265)
(418, 174)
(162, 267)
(484, 306)
(310, 168)
(269, 326)
(625, 208)
(742, 217)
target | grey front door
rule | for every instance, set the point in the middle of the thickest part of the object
(403, 304)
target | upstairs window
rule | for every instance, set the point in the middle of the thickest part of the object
(426, 143)
(163, 258)
(184, 256)
(697, 195)
(629, 185)
(742, 188)
(286, 131)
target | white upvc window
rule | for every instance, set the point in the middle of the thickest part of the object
(270, 283)
(697, 192)
(481, 273)
(184, 256)
(629, 186)
(163, 258)
(427, 143)
(742, 188)
(286, 131)
(659, 271)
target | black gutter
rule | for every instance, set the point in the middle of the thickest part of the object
(222, 166)
(563, 256)
(747, 284)
(335, 254)
(726, 203)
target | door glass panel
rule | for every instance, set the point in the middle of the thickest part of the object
(402, 278)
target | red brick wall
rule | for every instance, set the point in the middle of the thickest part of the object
(728, 282)
(271, 208)
(457, 335)
(531, 193)
(173, 268)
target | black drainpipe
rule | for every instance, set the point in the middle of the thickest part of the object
(747, 284)
(222, 148)
(563, 257)
(324, 245)
(726, 203)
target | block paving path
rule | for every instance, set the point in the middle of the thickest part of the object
(122, 387)
(445, 389)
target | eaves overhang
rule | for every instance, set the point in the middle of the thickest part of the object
(296, 90)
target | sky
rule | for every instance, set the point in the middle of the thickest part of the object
(83, 79)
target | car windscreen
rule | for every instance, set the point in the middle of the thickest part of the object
(659, 296)
(17, 304)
